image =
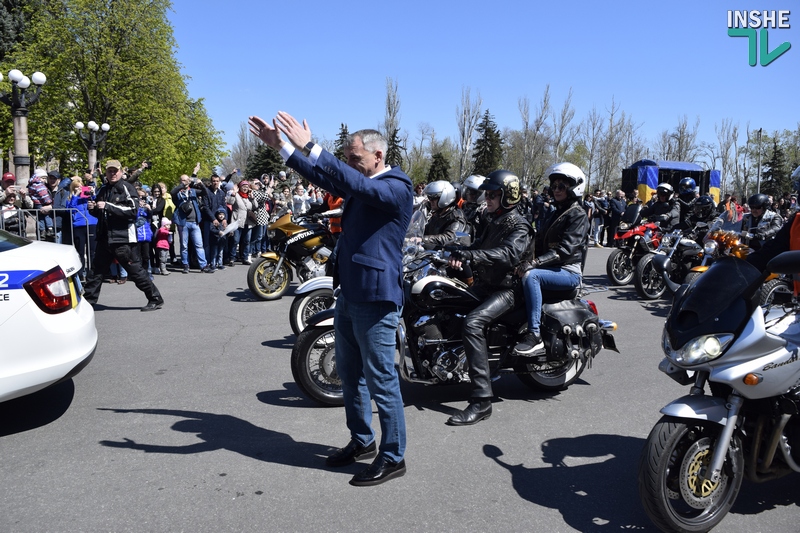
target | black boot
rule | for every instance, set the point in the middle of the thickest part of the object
(477, 410)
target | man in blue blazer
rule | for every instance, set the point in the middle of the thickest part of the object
(378, 202)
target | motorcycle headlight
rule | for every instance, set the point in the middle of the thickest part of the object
(698, 350)
(623, 226)
(710, 247)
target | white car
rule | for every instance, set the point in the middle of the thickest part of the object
(47, 329)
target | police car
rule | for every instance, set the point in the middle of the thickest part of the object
(47, 329)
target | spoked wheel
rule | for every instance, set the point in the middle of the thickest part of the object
(648, 281)
(776, 291)
(304, 306)
(553, 376)
(314, 365)
(266, 281)
(619, 267)
(674, 492)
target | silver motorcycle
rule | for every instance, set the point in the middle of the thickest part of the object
(740, 419)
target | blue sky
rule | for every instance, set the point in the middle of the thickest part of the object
(328, 62)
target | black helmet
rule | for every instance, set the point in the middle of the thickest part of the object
(507, 183)
(703, 206)
(665, 188)
(758, 201)
(686, 187)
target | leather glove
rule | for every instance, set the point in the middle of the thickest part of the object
(461, 255)
(525, 266)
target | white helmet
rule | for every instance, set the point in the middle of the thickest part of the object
(571, 173)
(441, 192)
(473, 184)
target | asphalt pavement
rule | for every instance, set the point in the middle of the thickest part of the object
(188, 419)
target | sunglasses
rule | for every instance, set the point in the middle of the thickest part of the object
(559, 186)
(491, 195)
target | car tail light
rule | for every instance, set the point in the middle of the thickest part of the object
(50, 291)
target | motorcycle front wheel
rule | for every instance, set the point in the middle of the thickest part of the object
(619, 267)
(648, 281)
(314, 366)
(304, 306)
(551, 376)
(671, 487)
(691, 276)
(266, 281)
(776, 291)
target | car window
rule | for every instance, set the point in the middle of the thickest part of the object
(11, 242)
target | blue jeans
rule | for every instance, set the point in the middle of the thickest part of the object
(191, 230)
(365, 348)
(544, 278)
(258, 239)
(241, 237)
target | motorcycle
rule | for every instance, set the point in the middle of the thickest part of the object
(677, 253)
(300, 244)
(717, 337)
(632, 241)
(429, 344)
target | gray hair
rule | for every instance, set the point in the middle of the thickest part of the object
(372, 140)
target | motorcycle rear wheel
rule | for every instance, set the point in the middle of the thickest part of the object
(265, 281)
(619, 267)
(672, 491)
(557, 378)
(648, 281)
(304, 306)
(313, 365)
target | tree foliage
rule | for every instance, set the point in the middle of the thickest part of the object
(112, 61)
(13, 19)
(488, 152)
(265, 160)
(776, 176)
(339, 144)
(394, 153)
(439, 169)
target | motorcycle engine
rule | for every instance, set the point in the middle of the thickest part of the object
(315, 269)
(438, 351)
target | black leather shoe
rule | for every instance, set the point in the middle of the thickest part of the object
(474, 413)
(380, 471)
(152, 305)
(350, 453)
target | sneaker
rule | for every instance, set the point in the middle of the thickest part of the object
(221, 267)
(247, 262)
(208, 269)
(598, 245)
(185, 269)
(152, 305)
(230, 263)
(529, 344)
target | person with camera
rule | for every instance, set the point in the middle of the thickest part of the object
(115, 207)
(187, 217)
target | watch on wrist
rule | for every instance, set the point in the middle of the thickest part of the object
(307, 148)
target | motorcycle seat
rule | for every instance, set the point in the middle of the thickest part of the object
(554, 296)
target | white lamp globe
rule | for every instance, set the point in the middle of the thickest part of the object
(15, 75)
(105, 127)
(24, 83)
(38, 78)
(79, 125)
(92, 125)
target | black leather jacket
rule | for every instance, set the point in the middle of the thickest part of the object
(667, 214)
(499, 249)
(116, 223)
(565, 239)
(442, 227)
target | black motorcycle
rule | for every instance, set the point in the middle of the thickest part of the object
(429, 343)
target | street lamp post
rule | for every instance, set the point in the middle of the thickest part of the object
(92, 139)
(19, 100)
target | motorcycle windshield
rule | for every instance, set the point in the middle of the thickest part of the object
(722, 223)
(416, 229)
(631, 213)
(720, 301)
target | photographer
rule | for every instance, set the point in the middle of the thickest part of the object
(187, 217)
(133, 177)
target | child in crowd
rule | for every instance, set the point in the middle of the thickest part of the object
(40, 194)
(11, 216)
(219, 239)
(163, 244)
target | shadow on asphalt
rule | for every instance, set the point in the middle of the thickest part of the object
(226, 432)
(598, 495)
(291, 396)
(37, 409)
(286, 342)
(243, 295)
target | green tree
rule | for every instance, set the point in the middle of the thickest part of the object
(487, 155)
(13, 18)
(339, 144)
(394, 153)
(439, 169)
(112, 61)
(775, 179)
(265, 160)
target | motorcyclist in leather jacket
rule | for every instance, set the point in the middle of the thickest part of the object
(493, 256)
(664, 209)
(446, 218)
(761, 223)
(558, 250)
(685, 200)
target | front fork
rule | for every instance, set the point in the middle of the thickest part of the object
(734, 405)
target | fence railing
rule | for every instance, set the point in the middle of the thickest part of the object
(40, 225)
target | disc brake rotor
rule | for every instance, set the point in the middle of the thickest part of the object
(697, 491)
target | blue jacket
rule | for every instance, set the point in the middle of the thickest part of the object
(179, 196)
(81, 216)
(377, 211)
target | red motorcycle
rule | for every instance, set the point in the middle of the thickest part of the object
(632, 241)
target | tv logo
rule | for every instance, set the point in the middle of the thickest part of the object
(745, 24)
